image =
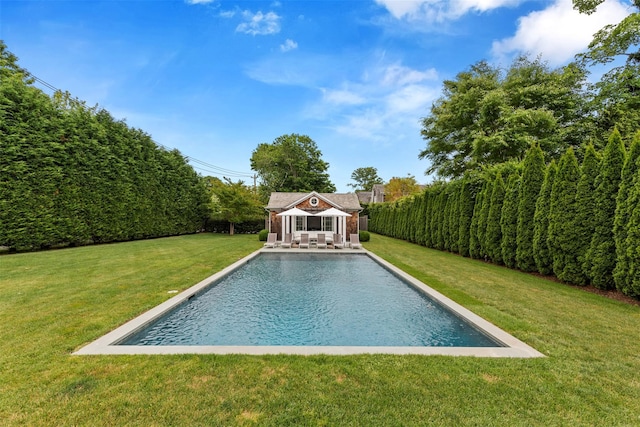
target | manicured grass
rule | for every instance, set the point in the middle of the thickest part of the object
(52, 303)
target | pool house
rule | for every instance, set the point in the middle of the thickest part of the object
(313, 213)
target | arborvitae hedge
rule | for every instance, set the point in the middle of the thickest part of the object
(563, 236)
(72, 175)
(479, 216)
(509, 221)
(454, 216)
(483, 219)
(465, 208)
(624, 209)
(532, 179)
(474, 242)
(493, 235)
(585, 211)
(601, 257)
(541, 252)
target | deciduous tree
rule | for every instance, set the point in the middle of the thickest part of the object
(365, 178)
(291, 163)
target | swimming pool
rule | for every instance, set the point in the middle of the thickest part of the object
(310, 303)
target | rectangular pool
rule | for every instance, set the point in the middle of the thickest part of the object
(309, 303)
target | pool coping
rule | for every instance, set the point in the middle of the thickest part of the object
(513, 347)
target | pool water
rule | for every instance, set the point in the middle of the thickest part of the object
(311, 300)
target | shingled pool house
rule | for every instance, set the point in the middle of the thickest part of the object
(314, 213)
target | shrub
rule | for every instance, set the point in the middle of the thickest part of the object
(601, 257)
(364, 236)
(262, 235)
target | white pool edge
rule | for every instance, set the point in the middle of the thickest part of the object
(513, 347)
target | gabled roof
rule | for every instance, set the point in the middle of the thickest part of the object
(342, 201)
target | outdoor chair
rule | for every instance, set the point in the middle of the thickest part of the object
(304, 241)
(322, 241)
(286, 243)
(355, 242)
(337, 241)
(271, 240)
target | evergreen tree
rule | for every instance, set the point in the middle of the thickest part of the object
(454, 216)
(428, 235)
(493, 236)
(474, 242)
(541, 252)
(624, 209)
(632, 242)
(483, 219)
(563, 239)
(585, 214)
(446, 218)
(532, 179)
(601, 257)
(509, 221)
(438, 217)
(465, 203)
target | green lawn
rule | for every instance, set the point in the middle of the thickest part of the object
(52, 303)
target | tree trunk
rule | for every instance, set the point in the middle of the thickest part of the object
(231, 227)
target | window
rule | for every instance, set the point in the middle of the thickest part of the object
(327, 223)
(300, 223)
(313, 201)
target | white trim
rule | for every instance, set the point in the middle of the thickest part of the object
(313, 194)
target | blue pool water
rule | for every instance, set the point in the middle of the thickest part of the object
(311, 300)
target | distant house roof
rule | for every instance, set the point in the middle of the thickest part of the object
(364, 196)
(343, 201)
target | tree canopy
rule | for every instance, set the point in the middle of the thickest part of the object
(397, 188)
(233, 202)
(365, 178)
(489, 117)
(291, 163)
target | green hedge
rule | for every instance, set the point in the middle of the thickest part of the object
(556, 219)
(72, 174)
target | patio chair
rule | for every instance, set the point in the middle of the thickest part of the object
(286, 243)
(271, 240)
(337, 241)
(322, 241)
(355, 242)
(304, 241)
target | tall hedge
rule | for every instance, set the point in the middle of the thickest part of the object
(483, 219)
(509, 221)
(532, 180)
(454, 216)
(563, 239)
(585, 211)
(632, 241)
(465, 203)
(493, 235)
(624, 210)
(70, 174)
(601, 256)
(541, 252)
(474, 241)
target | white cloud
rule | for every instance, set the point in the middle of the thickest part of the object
(397, 74)
(386, 103)
(199, 1)
(440, 10)
(259, 23)
(288, 45)
(342, 97)
(558, 32)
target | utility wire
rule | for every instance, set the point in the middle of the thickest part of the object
(204, 166)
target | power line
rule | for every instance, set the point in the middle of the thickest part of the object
(213, 169)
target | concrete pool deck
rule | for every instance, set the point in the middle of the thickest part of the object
(108, 344)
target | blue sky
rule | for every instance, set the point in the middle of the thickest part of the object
(216, 78)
